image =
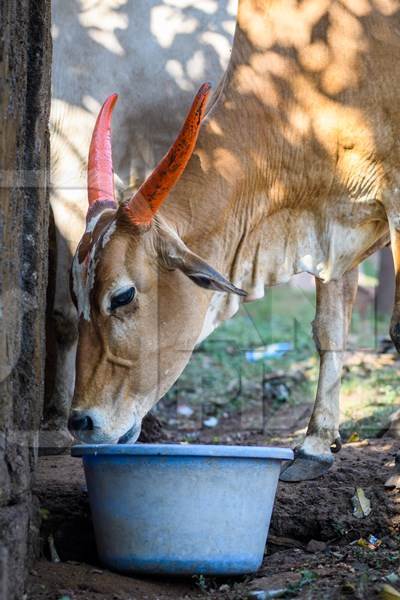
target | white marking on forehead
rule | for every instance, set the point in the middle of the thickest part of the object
(93, 222)
(110, 230)
(84, 273)
(83, 281)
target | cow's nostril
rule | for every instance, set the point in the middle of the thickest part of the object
(80, 422)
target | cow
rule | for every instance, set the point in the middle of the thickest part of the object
(138, 41)
(294, 167)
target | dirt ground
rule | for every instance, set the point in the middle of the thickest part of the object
(312, 551)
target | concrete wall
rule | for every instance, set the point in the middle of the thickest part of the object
(25, 58)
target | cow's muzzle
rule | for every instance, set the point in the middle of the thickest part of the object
(80, 421)
(131, 436)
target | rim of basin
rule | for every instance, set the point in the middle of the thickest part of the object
(184, 450)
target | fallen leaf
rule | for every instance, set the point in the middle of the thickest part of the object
(315, 546)
(361, 504)
(354, 437)
(362, 542)
(388, 592)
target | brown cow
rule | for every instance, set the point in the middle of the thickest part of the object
(176, 44)
(296, 168)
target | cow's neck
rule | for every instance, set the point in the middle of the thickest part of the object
(215, 204)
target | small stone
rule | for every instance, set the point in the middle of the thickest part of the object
(393, 482)
(315, 546)
(224, 588)
(393, 578)
(390, 543)
(184, 411)
(210, 422)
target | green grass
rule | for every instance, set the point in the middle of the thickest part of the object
(368, 399)
(220, 379)
(219, 371)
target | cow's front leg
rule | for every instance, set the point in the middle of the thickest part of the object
(332, 319)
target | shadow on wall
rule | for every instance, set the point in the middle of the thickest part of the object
(316, 93)
(154, 54)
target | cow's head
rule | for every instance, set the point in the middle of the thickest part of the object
(137, 289)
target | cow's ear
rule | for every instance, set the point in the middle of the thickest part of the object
(176, 255)
(203, 275)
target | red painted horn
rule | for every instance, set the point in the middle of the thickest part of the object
(152, 193)
(100, 167)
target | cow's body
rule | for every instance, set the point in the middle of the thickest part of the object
(307, 189)
(147, 51)
(297, 168)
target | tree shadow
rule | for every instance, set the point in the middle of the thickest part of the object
(153, 54)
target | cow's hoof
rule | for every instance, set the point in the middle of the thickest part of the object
(306, 466)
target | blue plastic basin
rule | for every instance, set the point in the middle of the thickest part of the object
(181, 509)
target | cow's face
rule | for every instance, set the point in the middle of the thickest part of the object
(138, 292)
(141, 306)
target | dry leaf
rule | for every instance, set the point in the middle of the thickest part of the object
(389, 593)
(361, 504)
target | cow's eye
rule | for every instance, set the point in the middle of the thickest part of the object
(123, 298)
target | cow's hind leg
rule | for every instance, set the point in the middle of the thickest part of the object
(333, 313)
